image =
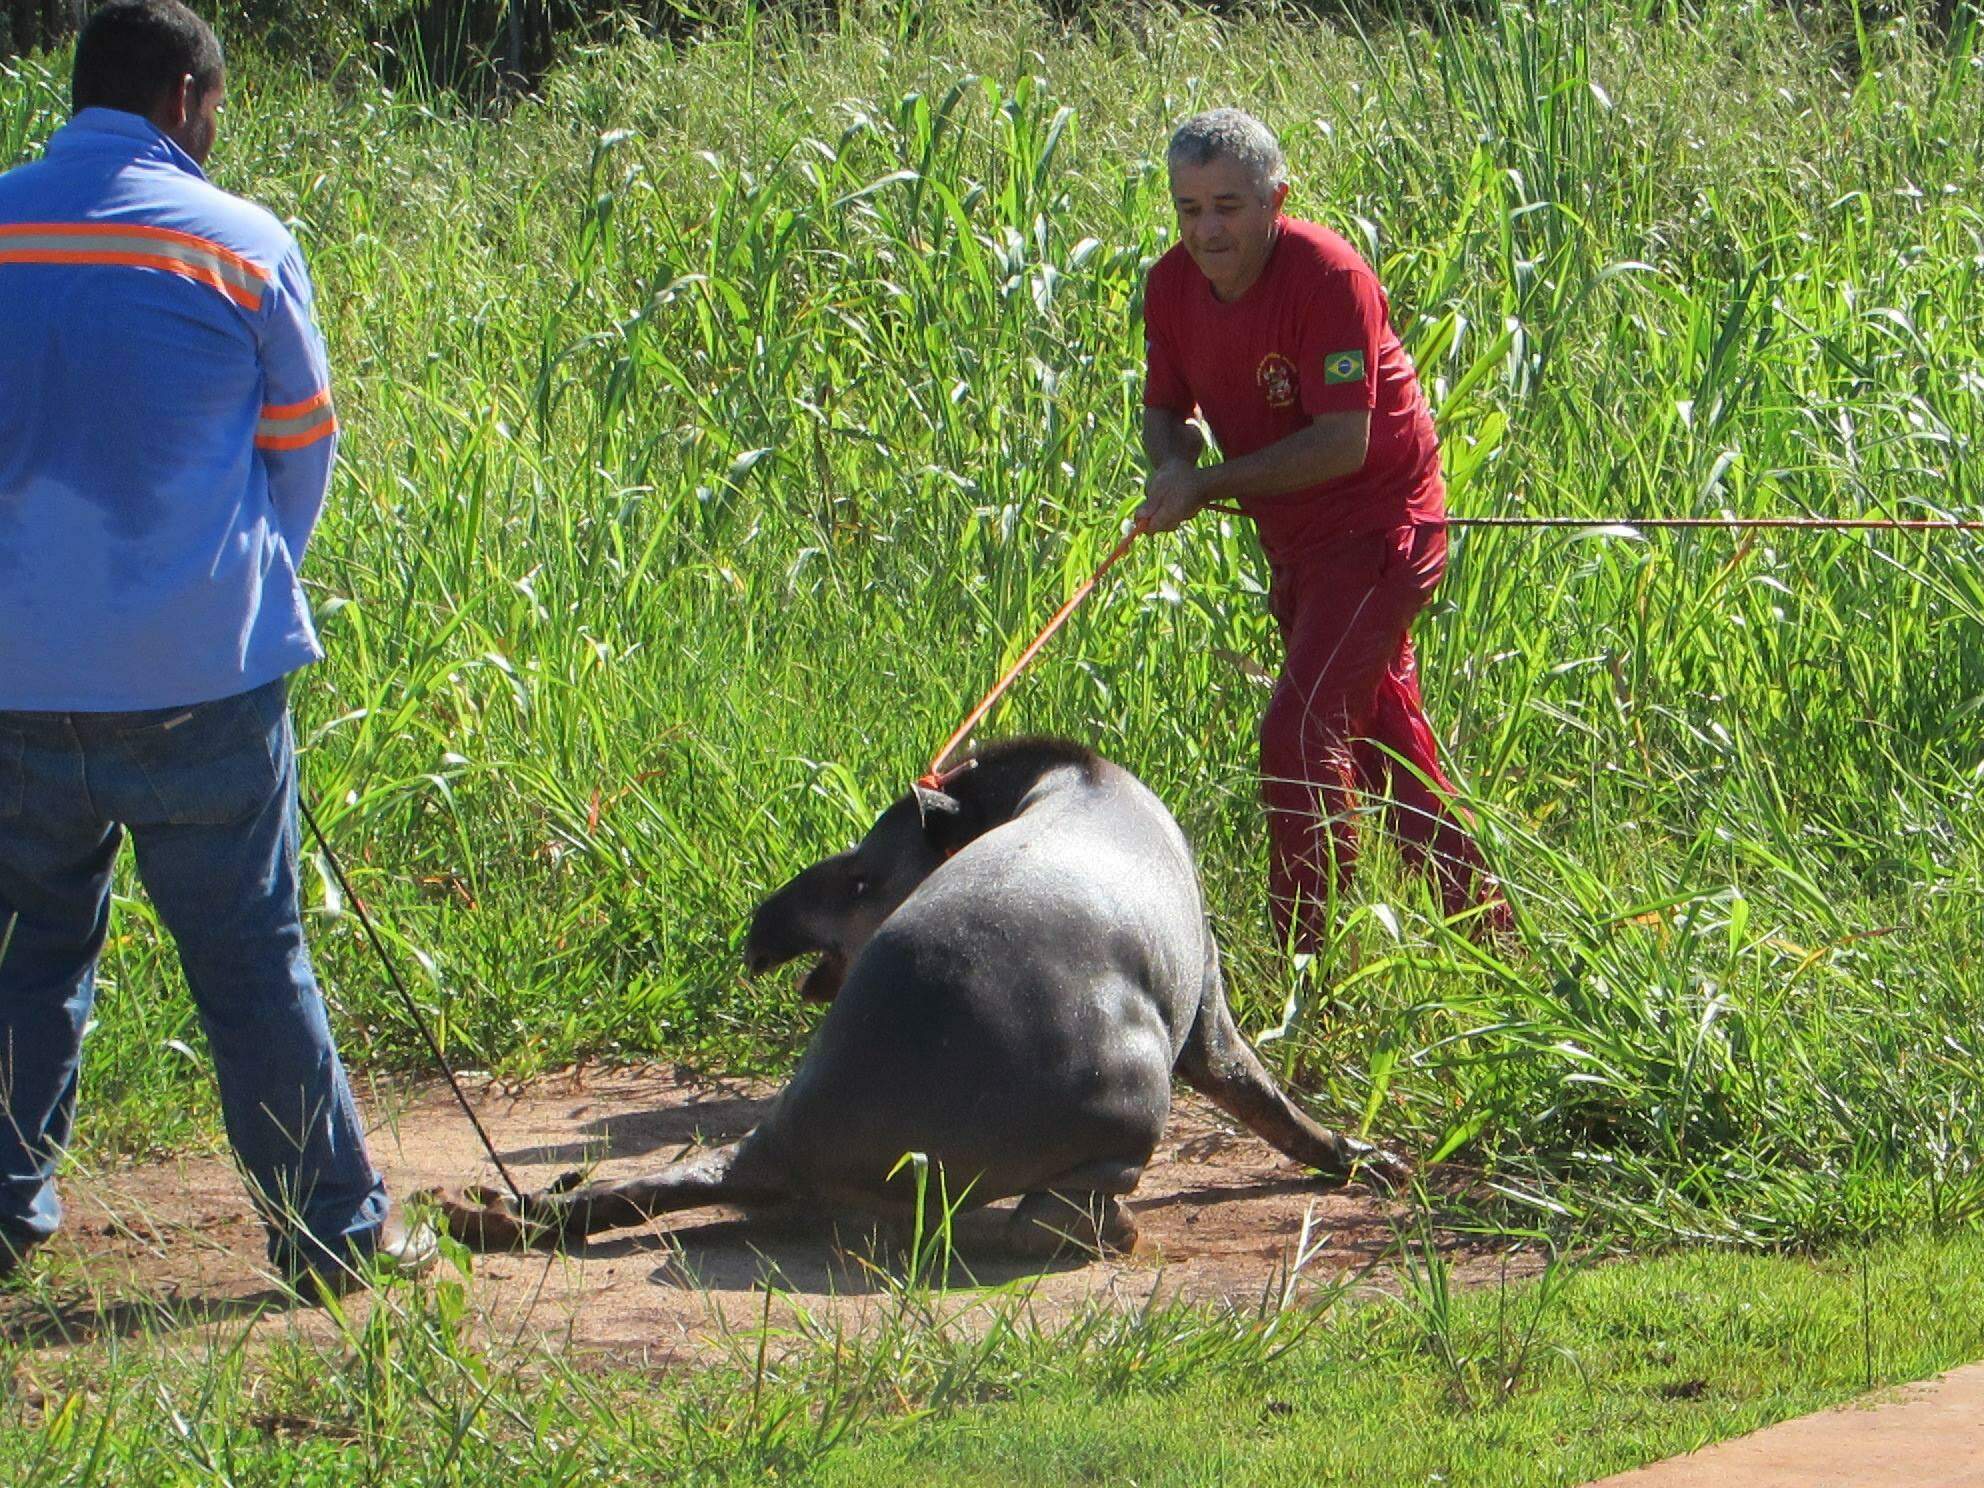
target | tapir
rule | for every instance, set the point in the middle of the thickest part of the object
(1017, 963)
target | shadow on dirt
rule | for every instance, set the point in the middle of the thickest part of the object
(626, 1134)
(71, 1324)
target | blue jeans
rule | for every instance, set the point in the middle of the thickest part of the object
(208, 794)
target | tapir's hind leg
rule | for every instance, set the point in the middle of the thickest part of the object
(732, 1174)
(735, 1173)
(1217, 1061)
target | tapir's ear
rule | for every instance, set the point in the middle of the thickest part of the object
(947, 826)
(934, 803)
(946, 823)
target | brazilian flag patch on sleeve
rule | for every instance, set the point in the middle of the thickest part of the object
(1343, 366)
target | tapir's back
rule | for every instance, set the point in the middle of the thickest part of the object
(1022, 1010)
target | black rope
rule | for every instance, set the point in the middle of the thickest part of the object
(413, 1010)
(1736, 524)
(1740, 524)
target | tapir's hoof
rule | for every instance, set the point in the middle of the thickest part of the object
(1118, 1235)
(1047, 1225)
(483, 1219)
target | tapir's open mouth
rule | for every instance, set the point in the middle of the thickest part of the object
(823, 981)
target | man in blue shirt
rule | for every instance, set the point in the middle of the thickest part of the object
(166, 436)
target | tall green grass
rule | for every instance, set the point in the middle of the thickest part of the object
(718, 425)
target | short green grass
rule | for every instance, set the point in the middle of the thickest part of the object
(1549, 1381)
(1626, 1364)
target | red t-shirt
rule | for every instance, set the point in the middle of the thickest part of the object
(1311, 336)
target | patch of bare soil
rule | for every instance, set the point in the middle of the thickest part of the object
(172, 1246)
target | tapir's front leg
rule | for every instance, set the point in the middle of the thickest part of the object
(731, 1174)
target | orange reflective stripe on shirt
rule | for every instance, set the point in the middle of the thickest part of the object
(136, 247)
(288, 426)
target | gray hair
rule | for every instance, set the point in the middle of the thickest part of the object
(1231, 134)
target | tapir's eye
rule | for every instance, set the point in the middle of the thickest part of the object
(859, 886)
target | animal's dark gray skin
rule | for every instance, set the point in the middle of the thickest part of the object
(1017, 964)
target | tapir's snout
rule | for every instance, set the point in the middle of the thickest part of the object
(782, 930)
(834, 906)
(778, 935)
(764, 950)
(772, 941)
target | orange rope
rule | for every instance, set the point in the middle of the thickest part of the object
(933, 778)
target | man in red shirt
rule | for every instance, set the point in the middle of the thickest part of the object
(1279, 336)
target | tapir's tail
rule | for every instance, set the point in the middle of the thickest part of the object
(1217, 1061)
(735, 1173)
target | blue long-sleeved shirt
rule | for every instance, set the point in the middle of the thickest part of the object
(166, 429)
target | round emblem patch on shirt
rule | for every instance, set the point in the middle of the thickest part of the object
(1276, 375)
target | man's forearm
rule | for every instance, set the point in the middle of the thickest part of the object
(1333, 445)
(1168, 438)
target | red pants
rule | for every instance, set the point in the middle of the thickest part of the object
(1349, 692)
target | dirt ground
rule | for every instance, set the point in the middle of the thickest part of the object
(172, 1246)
